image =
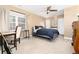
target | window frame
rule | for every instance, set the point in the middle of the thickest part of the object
(17, 15)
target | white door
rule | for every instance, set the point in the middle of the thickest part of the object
(61, 26)
(48, 23)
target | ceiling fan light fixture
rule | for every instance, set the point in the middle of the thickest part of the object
(48, 12)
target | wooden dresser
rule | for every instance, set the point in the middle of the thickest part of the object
(75, 26)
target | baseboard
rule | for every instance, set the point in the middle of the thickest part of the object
(69, 38)
(62, 34)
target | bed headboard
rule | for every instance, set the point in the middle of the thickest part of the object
(36, 27)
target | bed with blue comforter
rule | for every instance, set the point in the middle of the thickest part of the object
(46, 33)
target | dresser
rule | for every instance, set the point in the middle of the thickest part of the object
(75, 26)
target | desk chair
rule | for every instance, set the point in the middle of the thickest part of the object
(4, 44)
(16, 37)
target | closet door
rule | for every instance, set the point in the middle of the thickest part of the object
(61, 26)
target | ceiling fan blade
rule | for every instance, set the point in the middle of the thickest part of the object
(48, 8)
(52, 10)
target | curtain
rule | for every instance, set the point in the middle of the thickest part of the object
(3, 20)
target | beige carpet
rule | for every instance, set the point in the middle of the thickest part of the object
(36, 45)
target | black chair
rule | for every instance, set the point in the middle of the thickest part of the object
(4, 45)
(16, 37)
(7, 43)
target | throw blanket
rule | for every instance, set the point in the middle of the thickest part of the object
(47, 32)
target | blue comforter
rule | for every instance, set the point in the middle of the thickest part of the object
(47, 32)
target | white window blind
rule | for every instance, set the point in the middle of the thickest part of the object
(16, 19)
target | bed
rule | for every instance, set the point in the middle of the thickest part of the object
(44, 32)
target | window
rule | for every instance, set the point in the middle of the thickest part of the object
(21, 22)
(12, 22)
(16, 19)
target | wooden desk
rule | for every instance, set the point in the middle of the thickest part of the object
(1, 39)
(8, 33)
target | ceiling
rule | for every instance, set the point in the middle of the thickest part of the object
(41, 9)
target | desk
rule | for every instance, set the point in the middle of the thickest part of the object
(1, 39)
(8, 33)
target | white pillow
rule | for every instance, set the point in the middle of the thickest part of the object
(35, 30)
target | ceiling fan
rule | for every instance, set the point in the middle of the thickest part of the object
(50, 10)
